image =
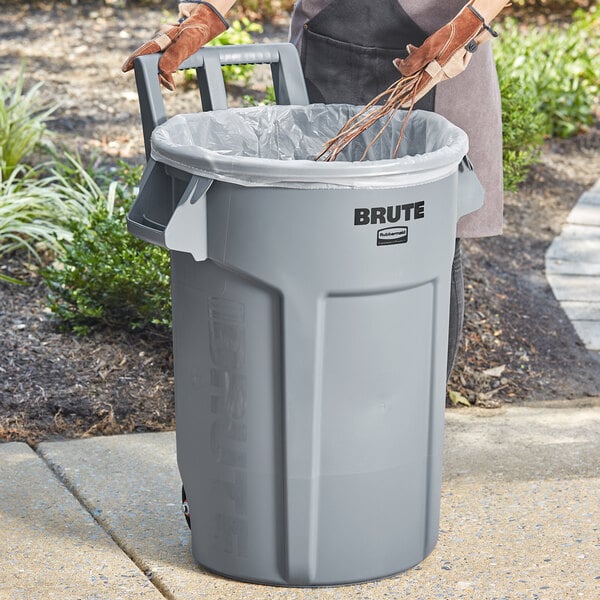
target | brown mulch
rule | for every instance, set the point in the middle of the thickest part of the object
(518, 344)
(514, 325)
(56, 384)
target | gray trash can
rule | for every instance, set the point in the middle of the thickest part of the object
(310, 324)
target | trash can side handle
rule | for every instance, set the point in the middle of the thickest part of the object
(470, 190)
(152, 187)
(182, 228)
(186, 230)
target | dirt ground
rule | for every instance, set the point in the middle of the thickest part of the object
(53, 384)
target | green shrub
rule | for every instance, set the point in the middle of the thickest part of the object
(36, 205)
(105, 276)
(549, 85)
(27, 214)
(267, 100)
(22, 122)
(559, 64)
(522, 129)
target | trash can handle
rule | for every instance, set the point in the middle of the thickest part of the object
(187, 230)
(470, 190)
(286, 71)
(182, 227)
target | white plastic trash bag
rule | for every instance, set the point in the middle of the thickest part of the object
(275, 146)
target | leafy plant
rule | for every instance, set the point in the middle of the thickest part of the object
(9, 279)
(549, 85)
(264, 9)
(35, 202)
(105, 276)
(22, 122)
(35, 208)
(25, 209)
(269, 98)
(559, 64)
(522, 131)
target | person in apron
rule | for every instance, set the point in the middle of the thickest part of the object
(346, 49)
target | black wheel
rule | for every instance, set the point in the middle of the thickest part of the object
(185, 507)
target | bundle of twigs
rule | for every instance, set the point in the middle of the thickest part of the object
(399, 94)
(443, 55)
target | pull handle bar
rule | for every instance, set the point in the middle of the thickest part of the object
(286, 71)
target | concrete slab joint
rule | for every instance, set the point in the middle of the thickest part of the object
(51, 547)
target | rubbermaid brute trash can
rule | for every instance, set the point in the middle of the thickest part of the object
(310, 323)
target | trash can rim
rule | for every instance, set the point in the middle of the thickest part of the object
(171, 147)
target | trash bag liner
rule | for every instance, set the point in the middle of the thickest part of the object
(275, 146)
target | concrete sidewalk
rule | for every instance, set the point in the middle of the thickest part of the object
(573, 268)
(520, 518)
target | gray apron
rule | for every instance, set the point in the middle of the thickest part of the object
(348, 48)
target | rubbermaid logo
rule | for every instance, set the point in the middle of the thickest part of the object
(392, 235)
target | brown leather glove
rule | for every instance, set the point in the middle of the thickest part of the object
(447, 52)
(199, 23)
